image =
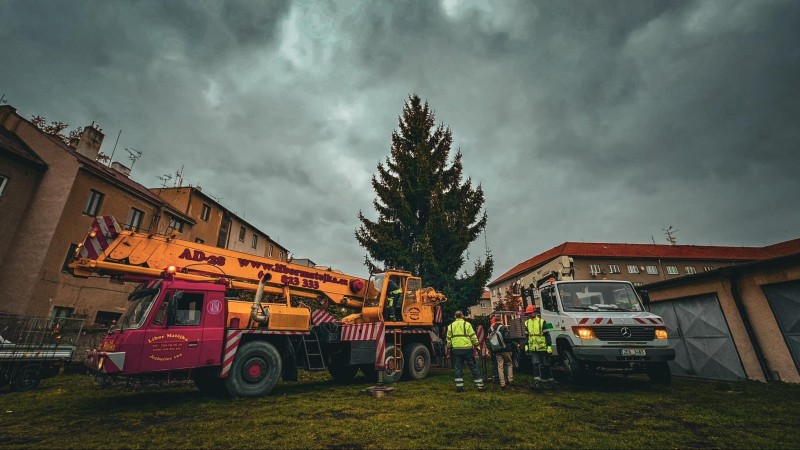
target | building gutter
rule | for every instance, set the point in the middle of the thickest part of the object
(748, 326)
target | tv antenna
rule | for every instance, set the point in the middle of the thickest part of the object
(670, 232)
(179, 177)
(133, 155)
(3, 99)
(164, 178)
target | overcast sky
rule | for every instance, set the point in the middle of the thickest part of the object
(588, 121)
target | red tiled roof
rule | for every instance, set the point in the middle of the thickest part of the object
(784, 248)
(486, 295)
(647, 251)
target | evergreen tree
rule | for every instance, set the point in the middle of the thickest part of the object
(427, 214)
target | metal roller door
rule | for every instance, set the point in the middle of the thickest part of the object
(784, 299)
(701, 337)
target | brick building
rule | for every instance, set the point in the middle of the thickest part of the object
(638, 263)
(49, 195)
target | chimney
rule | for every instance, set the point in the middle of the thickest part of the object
(123, 169)
(8, 117)
(90, 141)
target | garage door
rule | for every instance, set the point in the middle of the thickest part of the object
(784, 298)
(703, 344)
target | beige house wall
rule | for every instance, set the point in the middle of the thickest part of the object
(764, 325)
(26, 255)
(87, 296)
(23, 180)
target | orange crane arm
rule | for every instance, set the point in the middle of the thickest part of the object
(108, 250)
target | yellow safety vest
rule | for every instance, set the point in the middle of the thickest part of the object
(465, 339)
(536, 339)
(393, 295)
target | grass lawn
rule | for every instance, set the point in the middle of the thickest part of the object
(69, 411)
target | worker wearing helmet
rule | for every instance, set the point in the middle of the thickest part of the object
(394, 299)
(537, 347)
(461, 339)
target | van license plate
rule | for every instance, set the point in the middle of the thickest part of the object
(633, 352)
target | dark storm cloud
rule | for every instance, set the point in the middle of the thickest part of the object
(596, 121)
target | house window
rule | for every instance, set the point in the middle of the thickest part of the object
(176, 224)
(255, 240)
(242, 232)
(199, 241)
(135, 219)
(594, 269)
(206, 212)
(70, 256)
(269, 253)
(93, 203)
(672, 270)
(3, 183)
(690, 270)
(106, 318)
(633, 269)
(652, 270)
(62, 312)
(483, 305)
(708, 268)
(280, 256)
(613, 268)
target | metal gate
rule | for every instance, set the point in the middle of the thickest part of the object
(701, 337)
(784, 299)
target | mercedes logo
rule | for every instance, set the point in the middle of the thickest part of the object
(625, 332)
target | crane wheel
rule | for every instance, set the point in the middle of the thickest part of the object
(255, 371)
(393, 366)
(418, 361)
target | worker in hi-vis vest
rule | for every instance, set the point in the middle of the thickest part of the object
(538, 348)
(461, 339)
(394, 306)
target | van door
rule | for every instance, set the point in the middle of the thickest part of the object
(175, 342)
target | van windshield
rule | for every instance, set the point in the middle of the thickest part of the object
(604, 296)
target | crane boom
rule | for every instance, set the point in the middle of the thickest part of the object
(109, 250)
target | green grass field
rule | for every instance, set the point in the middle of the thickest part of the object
(69, 411)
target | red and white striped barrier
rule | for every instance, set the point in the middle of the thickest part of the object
(482, 352)
(609, 321)
(103, 232)
(321, 316)
(439, 316)
(361, 331)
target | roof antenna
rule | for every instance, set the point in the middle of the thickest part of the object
(111, 158)
(133, 155)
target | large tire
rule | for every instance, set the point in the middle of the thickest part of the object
(341, 371)
(26, 378)
(659, 373)
(575, 369)
(256, 370)
(418, 361)
(393, 366)
(208, 381)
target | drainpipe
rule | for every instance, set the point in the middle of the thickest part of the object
(748, 326)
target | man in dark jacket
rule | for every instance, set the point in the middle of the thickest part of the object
(503, 357)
